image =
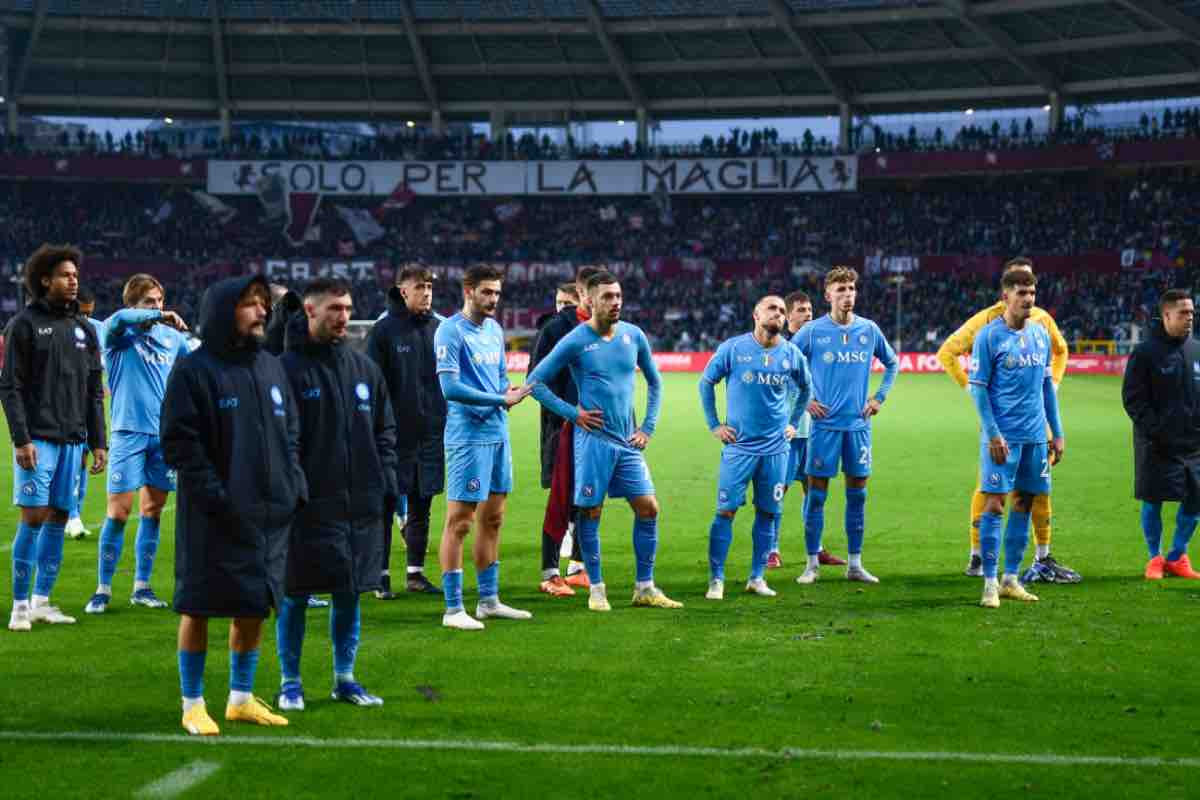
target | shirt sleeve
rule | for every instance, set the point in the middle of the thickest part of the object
(653, 384)
(891, 364)
(1060, 354)
(716, 371)
(1050, 397)
(803, 380)
(14, 377)
(961, 343)
(118, 325)
(547, 370)
(502, 364)
(447, 346)
(981, 360)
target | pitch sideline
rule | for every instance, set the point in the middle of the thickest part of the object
(650, 751)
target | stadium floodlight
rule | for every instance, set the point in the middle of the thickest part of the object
(969, 111)
(620, 122)
(169, 120)
(410, 124)
(1046, 107)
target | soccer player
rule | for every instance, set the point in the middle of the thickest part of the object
(1159, 395)
(960, 343)
(767, 389)
(53, 398)
(839, 347)
(800, 313)
(141, 343)
(603, 355)
(401, 343)
(1014, 395)
(474, 378)
(230, 428)
(556, 438)
(348, 450)
(75, 528)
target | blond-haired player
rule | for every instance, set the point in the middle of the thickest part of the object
(1045, 568)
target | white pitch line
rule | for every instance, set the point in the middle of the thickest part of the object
(668, 751)
(176, 783)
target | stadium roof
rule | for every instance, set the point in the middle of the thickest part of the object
(551, 60)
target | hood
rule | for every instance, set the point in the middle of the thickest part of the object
(217, 308)
(288, 304)
(297, 340)
(1159, 331)
(397, 307)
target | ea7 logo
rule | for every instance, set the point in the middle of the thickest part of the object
(45, 331)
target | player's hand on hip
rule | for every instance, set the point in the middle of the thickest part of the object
(818, 409)
(27, 456)
(174, 320)
(590, 420)
(99, 461)
(998, 448)
(789, 433)
(515, 394)
(1058, 448)
(639, 440)
(725, 434)
(871, 408)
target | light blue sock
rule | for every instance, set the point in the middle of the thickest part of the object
(402, 505)
(1185, 526)
(242, 667)
(345, 627)
(452, 589)
(1152, 527)
(775, 533)
(762, 534)
(289, 635)
(191, 674)
(112, 541)
(720, 536)
(814, 519)
(645, 546)
(49, 557)
(856, 519)
(147, 548)
(489, 583)
(1016, 539)
(588, 531)
(80, 495)
(24, 553)
(989, 542)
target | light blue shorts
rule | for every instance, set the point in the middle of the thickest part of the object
(136, 460)
(54, 482)
(768, 473)
(604, 469)
(1026, 470)
(827, 448)
(474, 471)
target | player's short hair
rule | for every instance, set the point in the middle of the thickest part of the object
(42, 262)
(479, 273)
(584, 274)
(1017, 277)
(1172, 296)
(319, 287)
(793, 298)
(600, 278)
(137, 286)
(569, 289)
(85, 297)
(841, 275)
(1020, 262)
(414, 272)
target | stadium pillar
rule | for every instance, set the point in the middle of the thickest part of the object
(438, 124)
(1056, 112)
(845, 118)
(499, 127)
(226, 125)
(643, 129)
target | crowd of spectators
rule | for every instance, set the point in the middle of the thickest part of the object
(1039, 215)
(462, 143)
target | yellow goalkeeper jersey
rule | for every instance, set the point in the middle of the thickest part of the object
(963, 339)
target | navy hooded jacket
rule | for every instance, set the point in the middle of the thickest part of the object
(231, 430)
(348, 452)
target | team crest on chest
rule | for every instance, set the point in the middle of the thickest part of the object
(862, 339)
(626, 339)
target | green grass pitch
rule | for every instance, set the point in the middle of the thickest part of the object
(1105, 668)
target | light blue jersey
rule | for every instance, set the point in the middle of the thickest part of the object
(840, 357)
(603, 369)
(804, 426)
(138, 356)
(1013, 366)
(475, 354)
(763, 394)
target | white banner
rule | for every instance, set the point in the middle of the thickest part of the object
(365, 227)
(305, 269)
(579, 178)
